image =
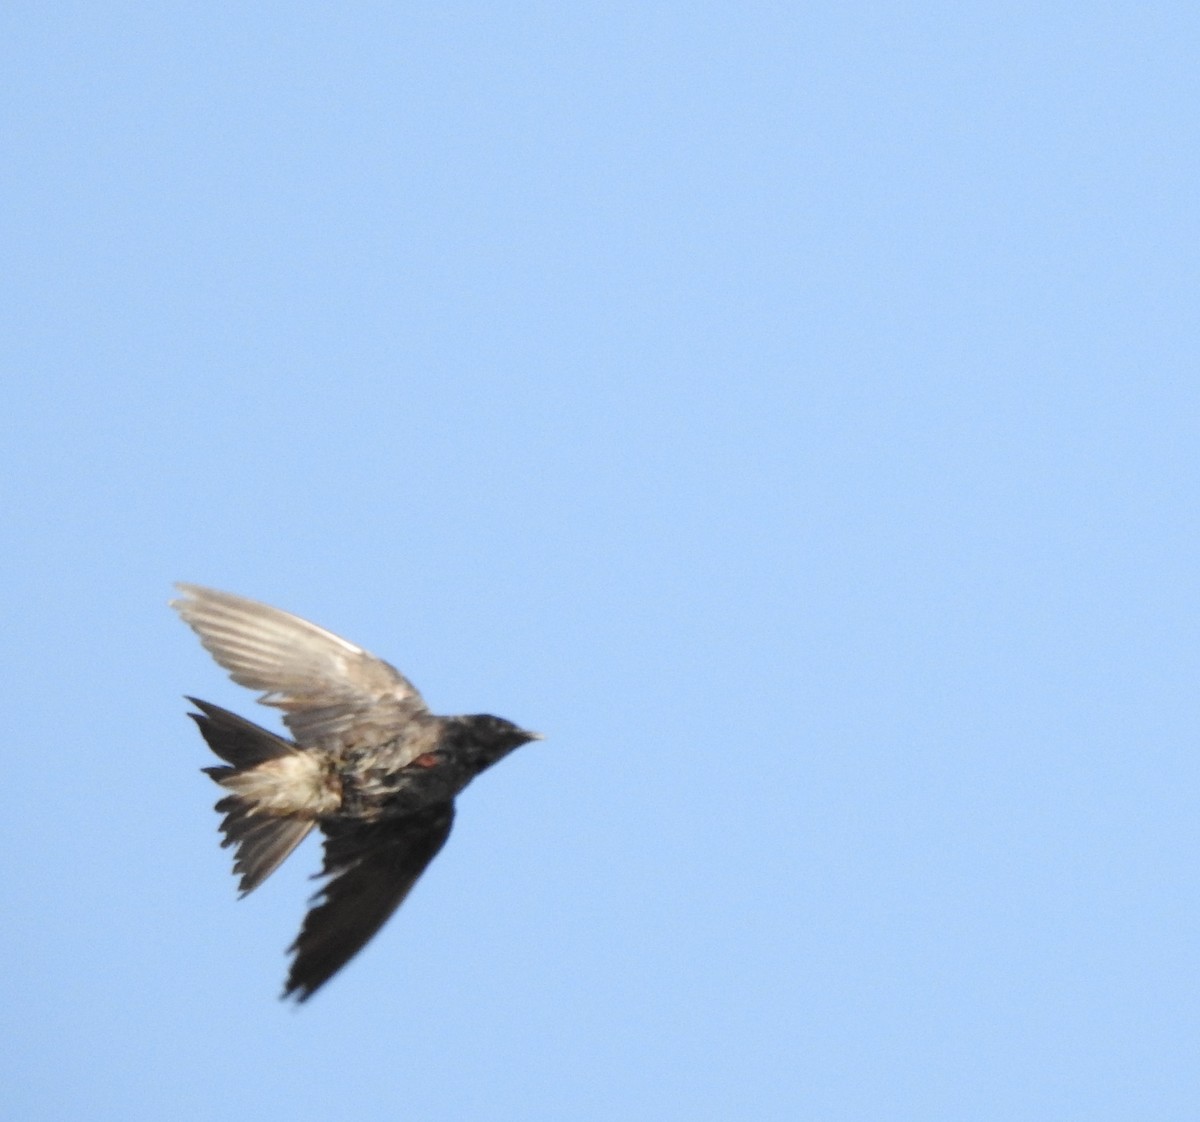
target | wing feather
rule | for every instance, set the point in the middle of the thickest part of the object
(327, 687)
(372, 869)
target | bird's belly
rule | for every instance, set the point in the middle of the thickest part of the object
(371, 794)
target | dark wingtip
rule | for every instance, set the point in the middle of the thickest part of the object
(297, 993)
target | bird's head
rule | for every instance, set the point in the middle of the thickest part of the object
(486, 739)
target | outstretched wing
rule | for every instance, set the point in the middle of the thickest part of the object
(326, 686)
(373, 867)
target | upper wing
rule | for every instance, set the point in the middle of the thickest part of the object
(326, 686)
(372, 867)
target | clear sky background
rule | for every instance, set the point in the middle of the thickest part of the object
(790, 409)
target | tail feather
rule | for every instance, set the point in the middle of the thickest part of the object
(268, 813)
(263, 841)
(236, 740)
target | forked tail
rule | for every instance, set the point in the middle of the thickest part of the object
(276, 791)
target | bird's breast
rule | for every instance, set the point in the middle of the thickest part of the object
(372, 790)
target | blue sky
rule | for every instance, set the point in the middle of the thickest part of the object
(791, 410)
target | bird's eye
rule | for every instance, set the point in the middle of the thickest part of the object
(426, 759)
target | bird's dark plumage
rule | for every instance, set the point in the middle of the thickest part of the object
(370, 766)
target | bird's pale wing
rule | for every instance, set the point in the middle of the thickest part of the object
(326, 686)
(372, 868)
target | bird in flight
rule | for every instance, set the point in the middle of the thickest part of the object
(369, 765)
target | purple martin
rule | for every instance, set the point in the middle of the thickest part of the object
(369, 765)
